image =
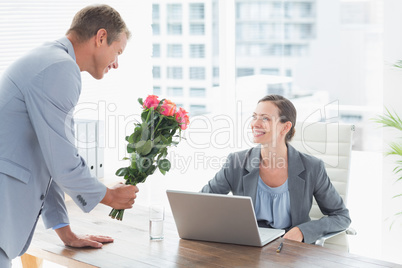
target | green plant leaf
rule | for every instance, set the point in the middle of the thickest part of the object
(139, 145)
(140, 101)
(121, 172)
(389, 120)
(164, 140)
(131, 148)
(145, 132)
(164, 164)
(396, 149)
(144, 115)
(146, 149)
(143, 163)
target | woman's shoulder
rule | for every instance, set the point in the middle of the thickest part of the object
(244, 156)
(307, 159)
(246, 153)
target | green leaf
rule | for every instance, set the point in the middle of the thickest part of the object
(164, 140)
(130, 148)
(398, 195)
(140, 101)
(144, 115)
(146, 149)
(396, 149)
(143, 163)
(139, 146)
(151, 170)
(157, 139)
(121, 172)
(389, 120)
(145, 132)
(164, 164)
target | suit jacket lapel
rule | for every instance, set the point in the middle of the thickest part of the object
(295, 183)
(252, 170)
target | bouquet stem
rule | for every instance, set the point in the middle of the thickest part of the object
(117, 214)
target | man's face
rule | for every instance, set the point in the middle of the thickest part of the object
(106, 57)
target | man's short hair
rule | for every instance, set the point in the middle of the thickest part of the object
(89, 20)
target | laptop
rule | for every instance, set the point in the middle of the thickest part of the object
(218, 218)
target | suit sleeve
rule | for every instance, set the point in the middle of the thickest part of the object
(331, 205)
(54, 209)
(50, 102)
(221, 184)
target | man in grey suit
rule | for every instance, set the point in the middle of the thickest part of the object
(38, 161)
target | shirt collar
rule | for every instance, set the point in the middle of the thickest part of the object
(68, 45)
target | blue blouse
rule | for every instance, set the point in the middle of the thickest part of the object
(272, 205)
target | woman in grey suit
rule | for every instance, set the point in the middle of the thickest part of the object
(280, 180)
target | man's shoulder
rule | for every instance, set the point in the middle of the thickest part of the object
(50, 55)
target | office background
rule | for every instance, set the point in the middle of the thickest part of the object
(216, 58)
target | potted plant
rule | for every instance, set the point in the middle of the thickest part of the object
(392, 120)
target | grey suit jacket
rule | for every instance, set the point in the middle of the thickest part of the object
(307, 178)
(38, 159)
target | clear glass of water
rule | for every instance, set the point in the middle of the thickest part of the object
(156, 218)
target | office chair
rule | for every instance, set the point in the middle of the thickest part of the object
(331, 142)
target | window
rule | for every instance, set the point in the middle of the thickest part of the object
(156, 72)
(276, 89)
(175, 72)
(155, 29)
(305, 10)
(157, 90)
(244, 72)
(174, 29)
(197, 73)
(196, 11)
(215, 72)
(197, 92)
(197, 51)
(155, 12)
(175, 91)
(196, 109)
(174, 50)
(156, 50)
(270, 71)
(174, 12)
(197, 29)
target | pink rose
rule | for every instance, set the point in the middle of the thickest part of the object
(151, 101)
(168, 108)
(182, 118)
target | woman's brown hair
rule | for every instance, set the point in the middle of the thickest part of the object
(287, 112)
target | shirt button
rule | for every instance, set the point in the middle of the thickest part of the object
(42, 197)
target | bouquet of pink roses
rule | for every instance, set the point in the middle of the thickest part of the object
(149, 142)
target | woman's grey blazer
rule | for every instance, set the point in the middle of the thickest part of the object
(307, 178)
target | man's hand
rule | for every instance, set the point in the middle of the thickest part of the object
(120, 196)
(294, 234)
(78, 241)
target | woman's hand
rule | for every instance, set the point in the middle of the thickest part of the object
(294, 234)
(78, 241)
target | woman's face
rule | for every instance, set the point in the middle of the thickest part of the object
(266, 125)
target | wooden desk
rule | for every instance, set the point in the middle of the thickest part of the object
(132, 247)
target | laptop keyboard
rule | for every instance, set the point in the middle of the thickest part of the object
(265, 233)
